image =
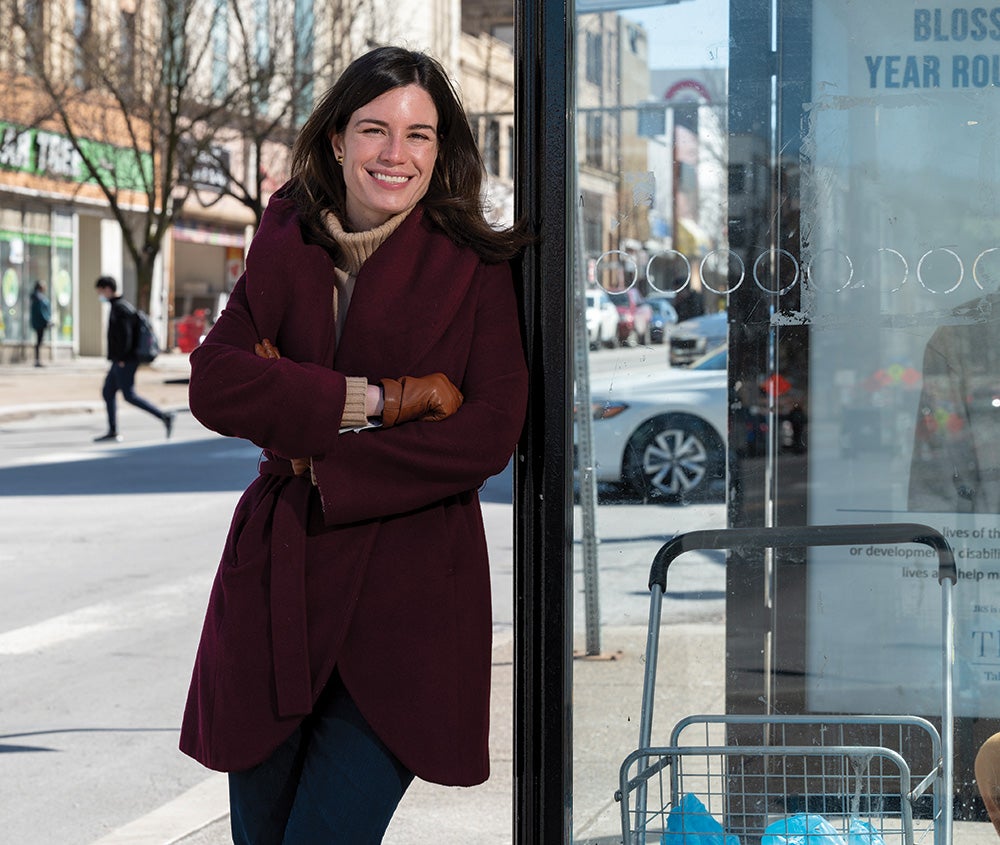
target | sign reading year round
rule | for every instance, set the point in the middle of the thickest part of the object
(963, 28)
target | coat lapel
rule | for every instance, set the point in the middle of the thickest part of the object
(407, 294)
(290, 284)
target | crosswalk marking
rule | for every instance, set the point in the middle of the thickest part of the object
(195, 809)
(132, 610)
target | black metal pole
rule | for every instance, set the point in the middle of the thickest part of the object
(543, 464)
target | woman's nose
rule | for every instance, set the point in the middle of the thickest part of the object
(392, 150)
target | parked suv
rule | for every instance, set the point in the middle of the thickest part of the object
(635, 316)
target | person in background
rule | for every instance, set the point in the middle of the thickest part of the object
(373, 350)
(955, 462)
(124, 363)
(41, 318)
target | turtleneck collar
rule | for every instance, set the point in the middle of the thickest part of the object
(357, 247)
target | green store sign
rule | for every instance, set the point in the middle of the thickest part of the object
(43, 153)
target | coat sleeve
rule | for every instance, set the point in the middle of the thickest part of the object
(383, 472)
(292, 409)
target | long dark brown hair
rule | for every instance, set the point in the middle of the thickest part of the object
(453, 200)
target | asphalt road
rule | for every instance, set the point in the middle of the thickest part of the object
(106, 564)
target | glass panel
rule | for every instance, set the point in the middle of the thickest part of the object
(12, 286)
(62, 292)
(806, 191)
(30, 253)
(651, 112)
(898, 198)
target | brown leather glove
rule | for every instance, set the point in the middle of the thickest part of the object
(410, 398)
(266, 349)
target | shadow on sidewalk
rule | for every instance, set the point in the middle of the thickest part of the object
(214, 465)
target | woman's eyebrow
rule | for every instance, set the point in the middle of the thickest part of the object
(385, 123)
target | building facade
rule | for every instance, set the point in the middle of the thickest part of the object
(64, 221)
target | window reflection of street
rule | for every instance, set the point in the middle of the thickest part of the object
(663, 434)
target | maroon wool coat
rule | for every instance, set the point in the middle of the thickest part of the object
(381, 570)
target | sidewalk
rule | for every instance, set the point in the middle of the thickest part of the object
(606, 729)
(75, 386)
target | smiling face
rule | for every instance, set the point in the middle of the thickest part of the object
(389, 148)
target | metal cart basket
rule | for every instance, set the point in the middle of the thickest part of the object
(732, 779)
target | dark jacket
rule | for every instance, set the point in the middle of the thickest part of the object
(121, 330)
(382, 569)
(41, 311)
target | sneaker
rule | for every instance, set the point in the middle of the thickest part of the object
(110, 437)
(168, 422)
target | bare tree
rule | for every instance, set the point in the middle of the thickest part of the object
(122, 89)
(278, 64)
(168, 104)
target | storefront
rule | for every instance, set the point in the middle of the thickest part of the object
(37, 246)
(852, 243)
(208, 260)
(56, 229)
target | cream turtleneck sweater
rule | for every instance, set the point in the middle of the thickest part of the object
(355, 249)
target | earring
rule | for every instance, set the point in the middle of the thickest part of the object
(340, 159)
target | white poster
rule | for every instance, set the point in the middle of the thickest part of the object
(900, 229)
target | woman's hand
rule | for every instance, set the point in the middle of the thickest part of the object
(430, 398)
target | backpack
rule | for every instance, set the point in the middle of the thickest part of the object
(147, 347)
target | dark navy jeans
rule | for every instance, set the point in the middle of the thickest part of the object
(332, 782)
(122, 378)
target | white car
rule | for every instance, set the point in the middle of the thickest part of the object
(602, 319)
(663, 434)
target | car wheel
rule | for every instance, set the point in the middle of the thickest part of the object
(598, 341)
(674, 457)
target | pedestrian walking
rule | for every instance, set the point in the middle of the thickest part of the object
(41, 318)
(122, 337)
(372, 349)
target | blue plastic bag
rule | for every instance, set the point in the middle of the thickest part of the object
(801, 829)
(862, 833)
(690, 823)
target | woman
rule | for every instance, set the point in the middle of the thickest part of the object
(372, 349)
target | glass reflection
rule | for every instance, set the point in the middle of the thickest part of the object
(814, 197)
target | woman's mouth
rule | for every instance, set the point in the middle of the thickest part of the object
(389, 179)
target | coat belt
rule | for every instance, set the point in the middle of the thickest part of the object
(289, 623)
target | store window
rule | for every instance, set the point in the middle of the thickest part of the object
(36, 246)
(800, 201)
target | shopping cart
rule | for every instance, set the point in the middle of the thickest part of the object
(724, 778)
